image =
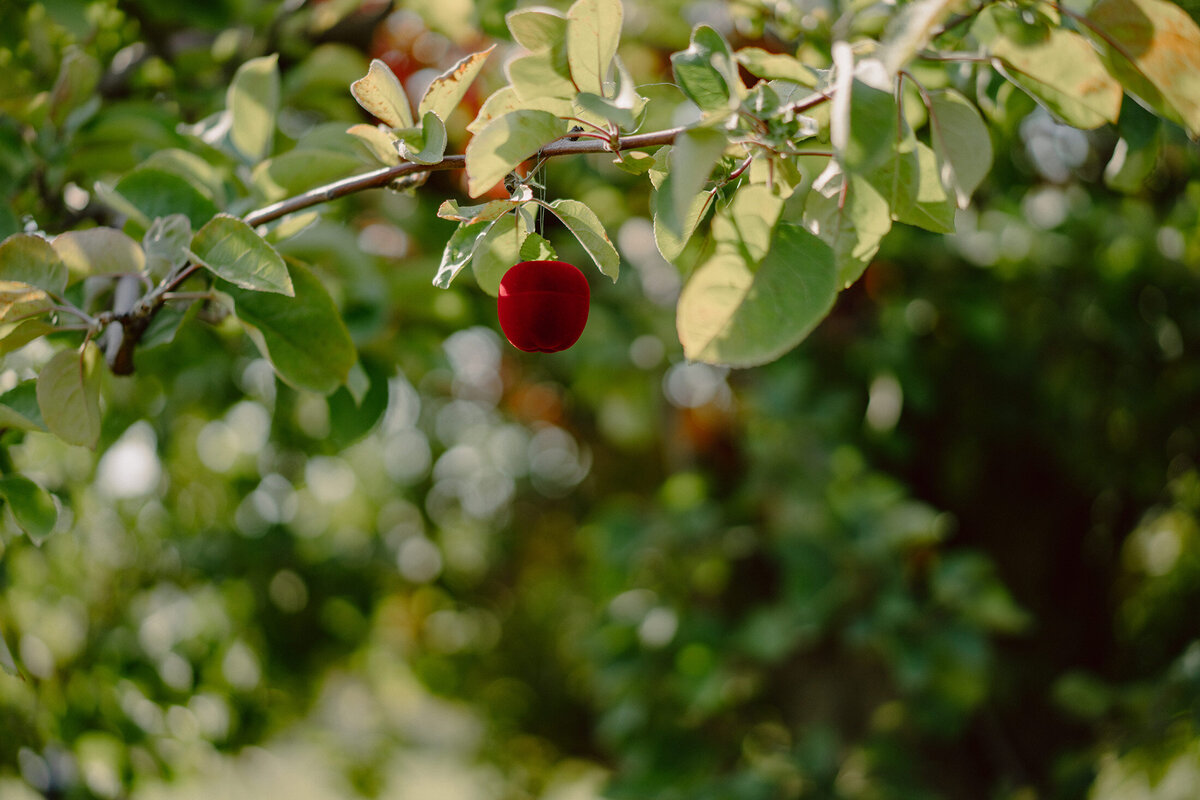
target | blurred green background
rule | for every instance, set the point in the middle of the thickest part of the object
(947, 548)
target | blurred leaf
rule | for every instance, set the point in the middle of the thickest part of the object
(351, 418)
(1056, 67)
(379, 92)
(230, 249)
(506, 142)
(155, 193)
(98, 251)
(253, 102)
(6, 658)
(593, 33)
(302, 335)
(68, 395)
(449, 88)
(740, 314)
(962, 143)
(31, 505)
(14, 336)
(78, 75)
(583, 223)
(301, 169)
(19, 408)
(910, 30)
(775, 66)
(25, 258)
(166, 244)
(1153, 48)
(19, 301)
(621, 117)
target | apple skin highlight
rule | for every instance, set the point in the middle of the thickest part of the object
(543, 305)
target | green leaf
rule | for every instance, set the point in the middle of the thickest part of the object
(593, 33)
(776, 66)
(449, 88)
(909, 179)
(230, 249)
(862, 125)
(535, 76)
(31, 505)
(78, 75)
(1056, 67)
(535, 248)
(692, 159)
(961, 141)
(493, 209)
(19, 408)
(506, 100)
(156, 193)
(746, 225)
(303, 336)
(1153, 48)
(7, 663)
(301, 169)
(623, 117)
(506, 142)
(670, 243)
(68, 395)
(253, 102)
(26, 258)
(498, 250)
(166, 244)
(583, 223)
(19, 301)
(379, 92)
(458, 251)
(707, 71)
(538, 28)
(426, 145)
(380, 143)
(352, 416)
(98, 251)
(14, 336)
(206, 178)
(851, 216)
(910, 30)
(737, 313)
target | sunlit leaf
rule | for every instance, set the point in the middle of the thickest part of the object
(156, 193)
(498, 250)
(738, 313)
(506, 142)
(535, 76)
(98, 251)
(15, 335)
(1153, 48)
(230, 249)
(379, 92)
(962, 143)
(775, 66)
(253, 102)
(535, 248)
(593, 32)
(379, 143)
(1057, 67)
(493, 209)
(692, 159)
(538, 28)
(583, 223)
(851, 216)
(449, 88)
(26, 258)
(427, 144)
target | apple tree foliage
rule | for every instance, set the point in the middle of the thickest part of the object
(777, 172)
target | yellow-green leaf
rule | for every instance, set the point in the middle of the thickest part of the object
(68, 394)
(448, 89)
(506, 142)
(380, 93)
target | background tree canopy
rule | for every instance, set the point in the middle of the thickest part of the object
(311, 528)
